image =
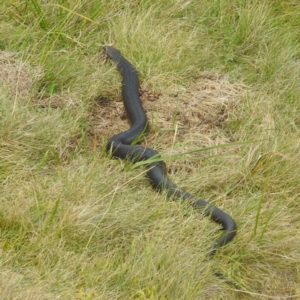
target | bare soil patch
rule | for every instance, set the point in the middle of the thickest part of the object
(191, 115)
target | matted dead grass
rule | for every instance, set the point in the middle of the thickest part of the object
(16, 76)
(20, 80)
(191, 115)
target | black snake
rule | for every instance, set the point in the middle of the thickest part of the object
(120, 147)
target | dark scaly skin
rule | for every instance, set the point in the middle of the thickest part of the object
(120, 146)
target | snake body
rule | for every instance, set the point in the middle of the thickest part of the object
(120, 147)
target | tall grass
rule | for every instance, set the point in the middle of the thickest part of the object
(75, 224)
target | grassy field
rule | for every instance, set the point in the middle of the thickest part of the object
(220, 82)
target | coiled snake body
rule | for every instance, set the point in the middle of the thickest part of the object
(120, 146)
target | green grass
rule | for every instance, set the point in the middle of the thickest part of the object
(75, 224)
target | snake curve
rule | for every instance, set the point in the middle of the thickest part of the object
(120, 147)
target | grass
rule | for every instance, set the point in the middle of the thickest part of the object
(75, 224)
